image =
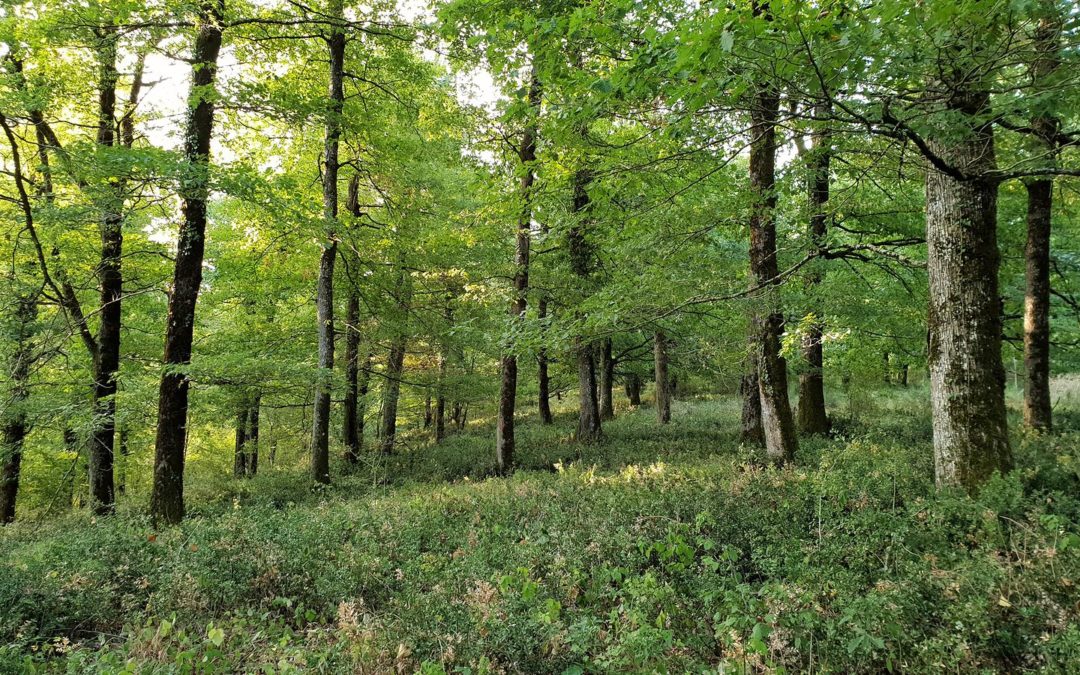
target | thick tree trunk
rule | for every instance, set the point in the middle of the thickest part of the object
(542, 378)
(15, 423)
(504, 424)
(967, 378)
(633, 389)
(663, 381)
(1037, 406)
(812, 417)
(350, 426)
(320, 433)
(607, 381)
(240, 446)
(776, 418)
(395, 362)
(167, 499)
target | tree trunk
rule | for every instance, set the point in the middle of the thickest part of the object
(350, 426)
(751, 432)
(106, 357)
(812, 417)
(253, 436)
(440, 400)
(633, 389)
(167, 499)
(395, 362)
(776, 418)
(663, 380)
(967, 378)
(542, 378)
(1037, 405)
(121, 483)
(240, 447)
(320, 433)
(904, 375)
(429, 414)
(607, 381)
(15, 423)
(588, 430)
(504, 424)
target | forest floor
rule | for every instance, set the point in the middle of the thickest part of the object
(662, 549)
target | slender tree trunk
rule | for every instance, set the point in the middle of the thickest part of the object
(1037, 405)
(350, 425)
(904, 375)
(440, 400)
(106, 357)
(125, 453)
(588, 429)
(320, 433)
(812, 417)
(752, 432)
(607, 381)
(542, 378)
(633, 389)
(504, 425)
(663, 380)
(167, 499)
(240, 451)
(15, 422)
(967, 378)
(391, 393)
(429, 413)
(776, 418)
(361, 403)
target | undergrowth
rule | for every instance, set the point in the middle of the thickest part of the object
(660, 550)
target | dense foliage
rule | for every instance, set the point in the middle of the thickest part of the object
(289, 291)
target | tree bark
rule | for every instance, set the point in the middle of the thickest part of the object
(967, 378)
(106, 357)
(1038, 412)
(350, 426)
(588, 429)
(812, 417)
(167, 498)
(240, 446)
(607, 381)
(751, 432)
(633, 389)
(320, 433)
(542, 377)
(776, 418)
(15, 423)
(253, 436)
(504, 424)
(663, 380)
(395, 362)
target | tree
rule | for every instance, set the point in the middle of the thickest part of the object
(167, 500)
(320, 435)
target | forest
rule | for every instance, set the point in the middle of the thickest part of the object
(539, 336)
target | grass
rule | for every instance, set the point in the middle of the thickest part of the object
(660, 550)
